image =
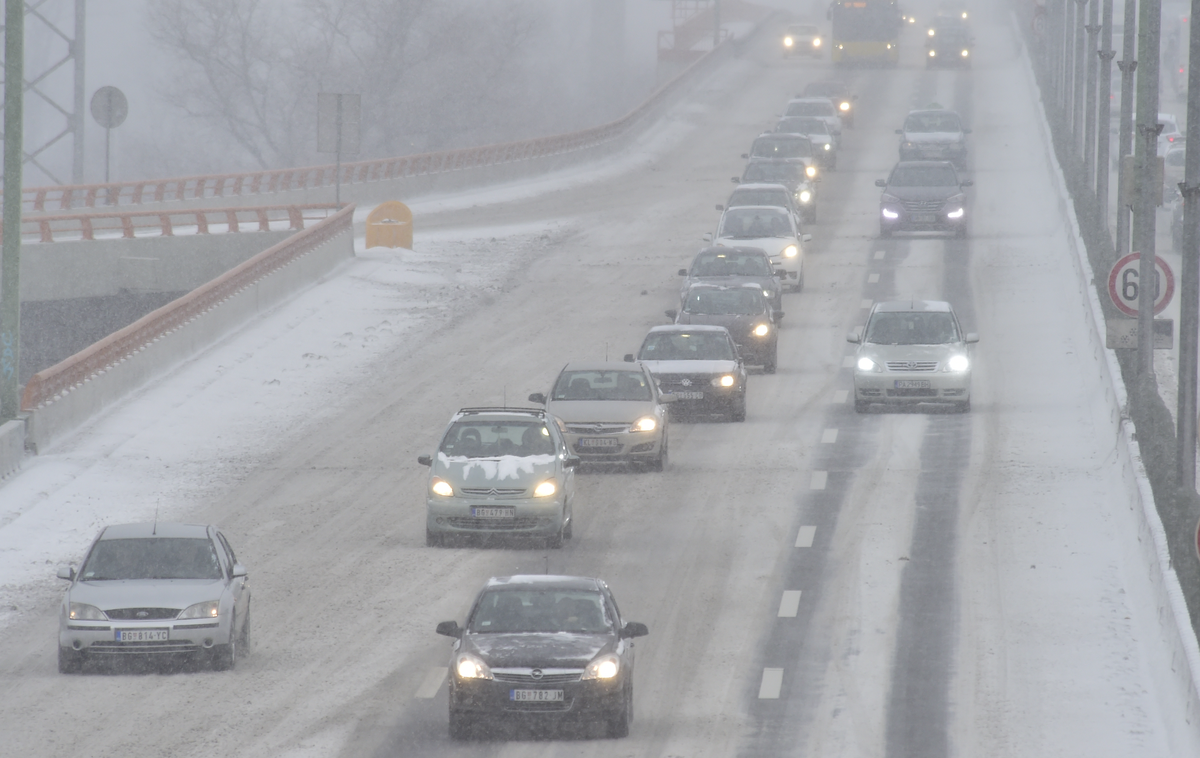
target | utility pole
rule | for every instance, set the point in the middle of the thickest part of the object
(1077, 84)
(1089, 109)
(10, 268)
(1189, 291)
(1104, 119)
(1146, 165)
(1128, 65)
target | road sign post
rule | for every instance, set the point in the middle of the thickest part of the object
(339, 117)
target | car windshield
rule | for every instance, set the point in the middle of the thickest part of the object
(802, 125)
(811, 108)
(773, 173)
(932, 122)
(824, 89)
(923, 176)
(774, 197)
(908, 328)
(602, 385)
(799, 30)
(781, 147)
(541, 611)
(731, 264)
(490, 439)
(152, 558)
(735, 301)
(754, 223)
(687, 346)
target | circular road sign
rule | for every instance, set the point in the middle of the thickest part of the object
(1124, 287)
(109, 107)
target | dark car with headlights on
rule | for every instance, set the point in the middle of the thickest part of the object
(155, 590)
(802, 39)
(733, 266)
(542, 649)
(948, 44)
(923, 196)
(700, 366)
(744, 310)
(791, 174)
(933, 135)
(775, 195)
(817, 132)
(839, 93)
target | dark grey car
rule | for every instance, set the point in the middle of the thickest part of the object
(743, 311)
(923, 196)
(935, 134)
(733, 266)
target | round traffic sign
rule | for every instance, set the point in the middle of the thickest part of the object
(109, 107)
(1124, 287)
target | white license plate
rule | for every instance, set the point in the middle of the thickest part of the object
(487, 512)
(598, 442)
(536, 696)
(688, 395)
(142, 635)
(912, 384)
(924, 218)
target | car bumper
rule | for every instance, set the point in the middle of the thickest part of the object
(96, 638)
(461, 515)
(906, 221)
(623, 446)
(791, 267)
(709, 400)
(897, 388)
(934, 152)
(581, 699)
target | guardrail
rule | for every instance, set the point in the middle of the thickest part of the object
(68, 197)
(131, 224)
(46, 386)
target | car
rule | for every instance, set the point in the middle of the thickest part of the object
(611, 412)
(1173, 169)
(765, 194)
(744, 310)
(545, 649)
(699, 365)
(155, 590)
(734, 265)
(501, 471)
(912, 351)
(791, 174)
(777, 146)
(817, 107)
(771, 230)
(923, 196)
(948, 43)
(817, 132)
(839, 93)
(933, 134)
(802, 39)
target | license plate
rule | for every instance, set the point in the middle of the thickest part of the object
(912, 384)
(598, 442)
(493, 512)
(688, 395)
(142, 635)
(536, 696)
(924, 218)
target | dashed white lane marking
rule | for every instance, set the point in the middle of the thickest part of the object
(818, 480)
(789, 604)
(804, 538)
(879, 254)
(872, 278)
(772, 683)
(829, 436)
(840, 396)
(848, 361)
(866, 304)
(432, 682)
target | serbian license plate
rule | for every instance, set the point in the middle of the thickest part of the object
(142, 635)
(924, 218)
(691, 395)
(912, 384)
(598, 442)
(536, 696)
(494, 512)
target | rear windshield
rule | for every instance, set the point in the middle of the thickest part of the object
(735, 301)
(152, 558)
(488, 439)
(602, 385)
(932, 122)
(540, 611)
(731, 264)
(689, 346)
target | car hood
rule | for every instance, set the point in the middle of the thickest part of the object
(147, 593)
(578, 411)
(739, 325)
(537, 650)
(938, 353)
(923, 193)
(772, 246)
(690, 367)
(931, 138)
(521, 470)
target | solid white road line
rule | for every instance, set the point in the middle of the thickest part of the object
(879, 254)
(829, 436)
(818, 480)
(848, 361)
(804, 538)
(432, 682)
(872, 278)
(772, 683)
(789, 604)
(841, 396)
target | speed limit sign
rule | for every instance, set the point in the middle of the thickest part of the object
(1124, 286)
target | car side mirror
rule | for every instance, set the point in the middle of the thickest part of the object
(449, 629)
(667, 398)
(806, 238)
(634, 629)
(629, 357)
(972, 338)
(777, 315)
(967, 183)
(899, 131)
(735, 180)
(571, 461)
(238, 571)
(537, 397)
(683, 272)
(425, 460)
(745, 156)
(881, 182)
(672, 314)
(720, 207)
(853, 338)
(66, 572)
(707, 237)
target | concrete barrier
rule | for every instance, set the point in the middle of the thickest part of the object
(12, 446)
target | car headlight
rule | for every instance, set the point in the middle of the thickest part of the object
(827, 146)
(85, 612)
(965, 53)
(810, 171)
(932, 33)
(545, 489)
(844, 106)
(959, 363)
(816, 42)
(933, 53)
(441, 487)
(728, 380)
(866, 364)
(762, 330)
(957, 213)
(645, 424)
(206, 610)
(468, 666)
(890, 214)
(805, 196)
(788, 42)
(908, 145)
(604, 667)
(791, 251)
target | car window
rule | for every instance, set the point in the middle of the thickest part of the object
(923, 176)
(230, 559)
(731, 264)
(686, 346)
(775, 197)
(797, 125)
(754, 223)
(907, 328)
(773, 173)
(724, 302)
(602, 385)
(481, 438)
(932, 122)
(152, 558)
(811, 108)
(541, 610)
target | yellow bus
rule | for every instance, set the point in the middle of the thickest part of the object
(865, 31)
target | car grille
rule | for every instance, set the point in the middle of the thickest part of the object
(492, 491)
(923, 206)
(135, 614)
(525, 676)
(565, 705)
(912, 365)
(686, 381)
(912, 393)
(604, 427)
(491, 524)
(112, 647)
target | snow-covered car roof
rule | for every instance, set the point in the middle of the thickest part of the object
(893, 306)
(152, 529)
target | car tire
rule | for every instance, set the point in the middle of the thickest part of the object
(963, 407)
(555, 542)
(771, 363)
(738, 414)
(884, 232)
(568, 527)
(860, 406)
(224, 657)
(459, 727)
(69, 661)
(244, 637)
(797, 287)
(618, 723)
(433, 540)
(660, 463)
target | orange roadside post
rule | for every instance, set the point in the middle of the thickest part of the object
(390, 225)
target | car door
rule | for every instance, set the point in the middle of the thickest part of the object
(239, 586)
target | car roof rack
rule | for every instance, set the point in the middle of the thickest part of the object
(540, 412)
